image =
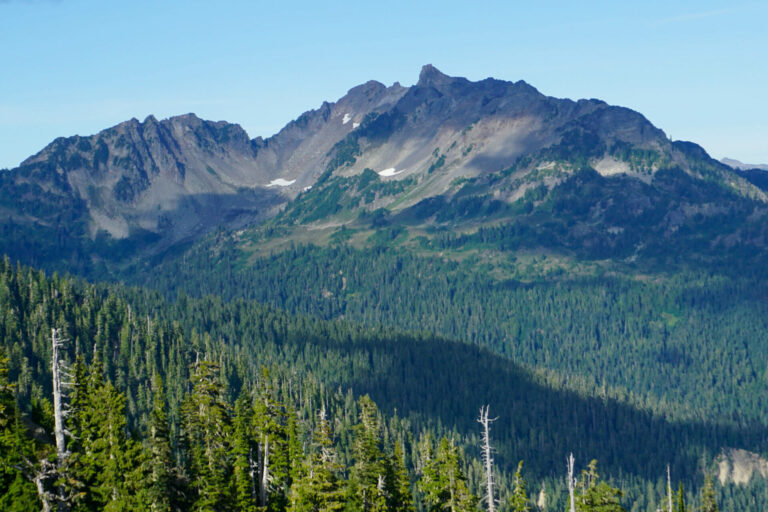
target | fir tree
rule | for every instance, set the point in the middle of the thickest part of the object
(596, 495)
(367, 484)
(319, 487)
(244, 453)
(161, 470)
(17, 493)
(519, 499)
(443, 482)
(104, 472)
(273, 460)
(400, 497)
(708, 496)
(206, 424)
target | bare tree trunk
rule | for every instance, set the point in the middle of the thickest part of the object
(669, 489)
(253, 468)
(487, 452)
(58, 414)
(571, 484)
(264, 473)
(39, 476)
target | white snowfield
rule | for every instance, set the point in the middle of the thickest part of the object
(347, 118)
(355, 125)
(280, 182)
(390, 172)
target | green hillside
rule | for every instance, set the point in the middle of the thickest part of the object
(427, 386)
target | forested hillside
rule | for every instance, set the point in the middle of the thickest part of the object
(431, 249)
(690, 345)
(121, 339)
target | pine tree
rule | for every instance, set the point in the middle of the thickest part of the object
(161, 470)
(367, 484)
(443, 482)
(319, 487)
(206, 425)
(596, 495)
(708, 496)
(244, 452)
(519, 499)
(17, 493)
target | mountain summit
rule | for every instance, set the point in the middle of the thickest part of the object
(147, 186)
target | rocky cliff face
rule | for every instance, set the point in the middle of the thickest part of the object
(740, 466)
(175, 177)
(164, 182)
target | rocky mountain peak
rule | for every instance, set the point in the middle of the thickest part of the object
(176, 178)
(369, 88)
(430, 76)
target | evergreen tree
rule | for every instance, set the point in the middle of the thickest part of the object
(273, 459)
(708, 496)
(104, 472)
(206, 425)
(244, 454)
(319, 487)
(161, 471)
(443, 482)
(680, 505)
(367, 482)
(17, 493)
(400, 497)
(519, 499)
(596, 495)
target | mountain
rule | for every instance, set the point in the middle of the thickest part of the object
(498, 166)
(614, 281)
(600, 251)
(142, 187)
(443, 152)
(730, 162)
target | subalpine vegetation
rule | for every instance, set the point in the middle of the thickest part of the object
(256, 454)
(195, 381)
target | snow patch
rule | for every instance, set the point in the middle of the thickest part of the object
(280, 182)
(390, 172)
(355, 125)
(307, 189)
(347, 118)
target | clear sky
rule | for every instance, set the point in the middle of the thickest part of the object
(696, 69)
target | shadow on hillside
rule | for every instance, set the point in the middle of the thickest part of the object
(447, 382)
(56, 246)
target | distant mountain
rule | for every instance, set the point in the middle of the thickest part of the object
(498, 165)
(444, 152)
(742, 166)
(141, 187)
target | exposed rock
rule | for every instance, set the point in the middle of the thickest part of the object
(740, 466)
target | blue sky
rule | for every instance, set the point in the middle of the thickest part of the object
(697, 70)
